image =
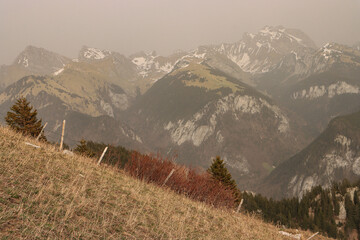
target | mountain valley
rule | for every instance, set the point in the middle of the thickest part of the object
(257, 103)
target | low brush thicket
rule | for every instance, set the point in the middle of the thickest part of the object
(197, 185)
(200, 186)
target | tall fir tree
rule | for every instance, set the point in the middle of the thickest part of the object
(23, 118)
(83, 149)
(220, 172)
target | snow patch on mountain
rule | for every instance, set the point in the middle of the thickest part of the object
(332, 90)
(328, 51)
(24, 61)
(148, 63)
(97, 54)
(58, 71)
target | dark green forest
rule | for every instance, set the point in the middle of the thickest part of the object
(318, 210)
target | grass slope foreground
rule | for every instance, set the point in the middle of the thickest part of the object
(45, 194)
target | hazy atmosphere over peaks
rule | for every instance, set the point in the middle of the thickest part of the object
(128, 26)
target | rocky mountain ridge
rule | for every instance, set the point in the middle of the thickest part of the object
(333, 156)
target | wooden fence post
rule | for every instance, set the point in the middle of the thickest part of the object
(171, 173)
(37, 139)
(239, 207)
(313, 235)
(62, 136)
(102, 155)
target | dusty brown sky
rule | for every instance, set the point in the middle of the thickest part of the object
(128, 26)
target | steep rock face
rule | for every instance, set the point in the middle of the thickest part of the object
(197, 112)
(323, 96)
(333, 156)
(32, 61)
(317, 86)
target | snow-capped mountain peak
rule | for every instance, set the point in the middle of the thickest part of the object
(150, 64)
(330, 50)
(93, 53)
(259, 53)
(40, 61)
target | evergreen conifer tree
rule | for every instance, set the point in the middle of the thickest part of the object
(220, 172)
(83, 149)
(23, 118)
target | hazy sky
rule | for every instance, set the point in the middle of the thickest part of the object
(128, 26)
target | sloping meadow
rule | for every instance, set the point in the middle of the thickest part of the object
(47, 194)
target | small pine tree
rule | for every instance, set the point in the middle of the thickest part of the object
(23, 118)
(83, 149)
(220, 172)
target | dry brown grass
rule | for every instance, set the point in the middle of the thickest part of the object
(45, 194)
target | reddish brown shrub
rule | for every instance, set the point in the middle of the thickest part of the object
(196, 185)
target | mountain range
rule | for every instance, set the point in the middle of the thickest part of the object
(258, 103)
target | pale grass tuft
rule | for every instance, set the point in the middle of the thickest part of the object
(47, 194)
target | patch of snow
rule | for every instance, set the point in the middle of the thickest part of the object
(251, 35)
(167, 67)
(75, 60)
(269, 32)
(58, 71)
(199, 55)
(296, 55)
(93, 53)
(295, 38)
(146, 64)
(25, 61)
(328, 51)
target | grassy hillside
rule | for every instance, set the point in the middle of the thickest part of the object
(47, 194)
